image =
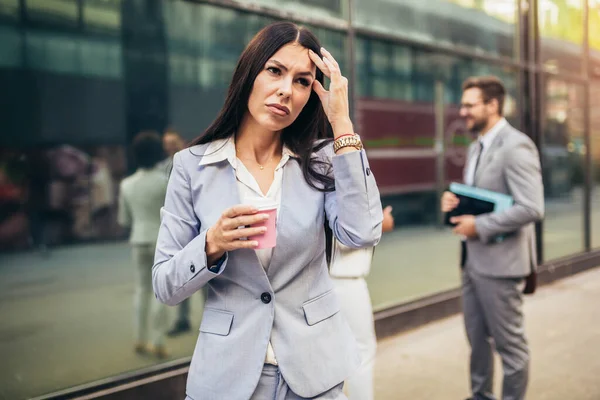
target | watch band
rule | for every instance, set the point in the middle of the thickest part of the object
(347, 141)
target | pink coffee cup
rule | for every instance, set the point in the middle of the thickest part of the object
(269, 238)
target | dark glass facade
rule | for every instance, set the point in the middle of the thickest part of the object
(80, 78)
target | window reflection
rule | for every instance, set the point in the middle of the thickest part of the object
(594, 24)
(11, 40)
(396, 117)
(485, 25)
(561, 30)
(563, 155)
(77, 55)
(9, 9)
(102, 15)
(322, 9)
(595, 149)
(57, 12)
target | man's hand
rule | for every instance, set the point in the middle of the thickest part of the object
(449, 202)
(465, 226)
(388, 220)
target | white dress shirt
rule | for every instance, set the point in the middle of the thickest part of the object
(486, 139)
(250, 193)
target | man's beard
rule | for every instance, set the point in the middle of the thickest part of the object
(478, 125)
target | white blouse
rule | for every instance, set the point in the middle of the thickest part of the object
(250, 193)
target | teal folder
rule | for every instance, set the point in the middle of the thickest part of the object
(476, 201)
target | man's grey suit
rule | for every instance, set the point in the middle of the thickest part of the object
(292, 303)
(498, 260)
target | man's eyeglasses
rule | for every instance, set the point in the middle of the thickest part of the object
(469, 106)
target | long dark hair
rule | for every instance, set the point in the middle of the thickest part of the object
(311, 124)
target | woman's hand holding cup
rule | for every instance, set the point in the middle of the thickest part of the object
(226, 233)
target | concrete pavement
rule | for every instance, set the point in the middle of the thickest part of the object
(563, 329)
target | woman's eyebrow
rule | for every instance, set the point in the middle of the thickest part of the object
(283, 67)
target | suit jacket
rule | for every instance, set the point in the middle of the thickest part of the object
(512, 166)
(141, 197)
(292, 303)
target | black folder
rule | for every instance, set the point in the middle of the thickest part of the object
(476, 201)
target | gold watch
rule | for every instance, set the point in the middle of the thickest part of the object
(347, 141)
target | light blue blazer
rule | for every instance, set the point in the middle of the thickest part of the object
(292, 304)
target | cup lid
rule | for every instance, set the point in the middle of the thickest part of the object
(262, 203)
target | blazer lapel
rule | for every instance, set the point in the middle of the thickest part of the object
(223, 188)
(285, 224)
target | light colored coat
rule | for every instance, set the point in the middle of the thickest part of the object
(313, 344)
(141, 196)
(512, 166)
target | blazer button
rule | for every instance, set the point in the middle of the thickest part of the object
(192, 268)
(368, 171)
(265, 297)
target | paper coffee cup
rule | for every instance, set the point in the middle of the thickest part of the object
(268, 239)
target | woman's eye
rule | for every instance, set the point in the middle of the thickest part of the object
(304, 82)
(274, 70)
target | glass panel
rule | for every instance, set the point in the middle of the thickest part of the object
(594, 37)
(61, 160)
(321, 9)
(561, 30)
(101, 58)
(64, 306)
(11, 47)
(9, 9)
(204, 44)
(334, 42)
(73, 54)
(595, 149)
(396, 118)
(102, 15)
(563, 157)
(594, 24)
(483, 25)
(50, 52)
(58, 12)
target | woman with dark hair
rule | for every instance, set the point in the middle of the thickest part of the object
(141, 196)
(271, 327)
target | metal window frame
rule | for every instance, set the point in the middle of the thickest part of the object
(588, 169)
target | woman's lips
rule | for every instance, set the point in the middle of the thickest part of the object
(278, 109)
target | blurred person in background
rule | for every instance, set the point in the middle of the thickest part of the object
(15, 210)
(349, 269)
(499, 248)
(172, 142)
(37, 202)
(141, 197)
